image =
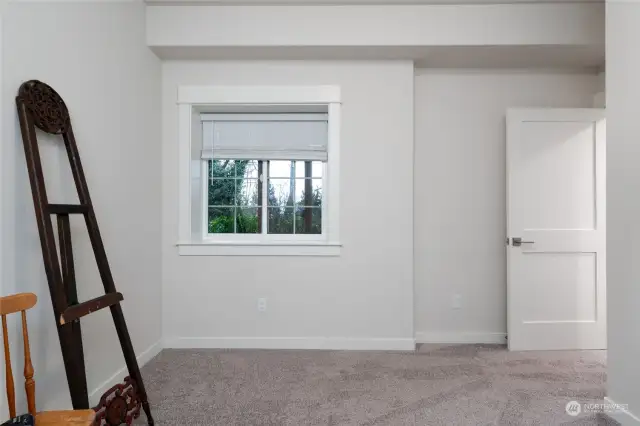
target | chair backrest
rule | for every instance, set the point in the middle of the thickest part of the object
(9, 305)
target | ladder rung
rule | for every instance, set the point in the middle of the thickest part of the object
(68, 208)
(85, 308)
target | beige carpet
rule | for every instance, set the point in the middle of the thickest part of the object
(436, 385)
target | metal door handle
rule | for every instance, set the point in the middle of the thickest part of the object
(517, 241)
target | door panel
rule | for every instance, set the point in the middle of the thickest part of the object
(556, 204)
(569, 277)
(557, 176)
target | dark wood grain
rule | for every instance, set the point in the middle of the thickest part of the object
(74, 355)
(40, 202)
(119, 405)
(41, 106)
(46, 108)
(67, 209)
(85, 308)
(69, 342)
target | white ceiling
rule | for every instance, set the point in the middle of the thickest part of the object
(359, 2)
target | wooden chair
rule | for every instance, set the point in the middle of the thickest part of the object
(21, 303)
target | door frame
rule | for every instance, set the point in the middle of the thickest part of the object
(513, 116)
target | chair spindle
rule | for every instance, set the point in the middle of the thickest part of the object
(29, 383)
(11, 393)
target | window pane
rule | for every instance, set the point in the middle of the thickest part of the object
(314, 170)
(221, 220)
(280, 220)
(280, 192)
(247, 169)
(222, 192)
(309, 192)
(247, 192)
(222, 168)
(248, 221)
(308, 220)
(280, 169)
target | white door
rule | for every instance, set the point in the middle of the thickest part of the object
(556, 191)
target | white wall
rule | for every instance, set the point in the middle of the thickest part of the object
(376, 25)
(94, 55)
(459, 192)
(363, 298)
(623, 203)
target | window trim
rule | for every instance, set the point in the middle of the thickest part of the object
(196, 100)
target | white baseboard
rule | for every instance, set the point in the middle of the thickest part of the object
(143, 358)
(321, 343)
(624, 417)
(460, 337)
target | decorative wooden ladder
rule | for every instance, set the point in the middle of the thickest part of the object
(39, 105)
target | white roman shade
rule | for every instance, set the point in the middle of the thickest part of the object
(272, 136)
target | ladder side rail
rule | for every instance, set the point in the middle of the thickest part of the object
(90, 217)
(68, 339)
(104, 269)
(74, 360)
(40, 203)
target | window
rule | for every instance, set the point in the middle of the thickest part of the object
(259, 178)
(237, 197)
(264, 173)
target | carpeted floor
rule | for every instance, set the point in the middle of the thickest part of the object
(436, 385)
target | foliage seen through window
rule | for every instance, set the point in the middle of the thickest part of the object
(294, 197)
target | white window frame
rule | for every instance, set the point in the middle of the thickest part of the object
(194, 100)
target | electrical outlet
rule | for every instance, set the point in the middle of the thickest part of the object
(456, 301)
(262, 304)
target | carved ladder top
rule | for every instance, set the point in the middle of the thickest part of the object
(49, 112)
